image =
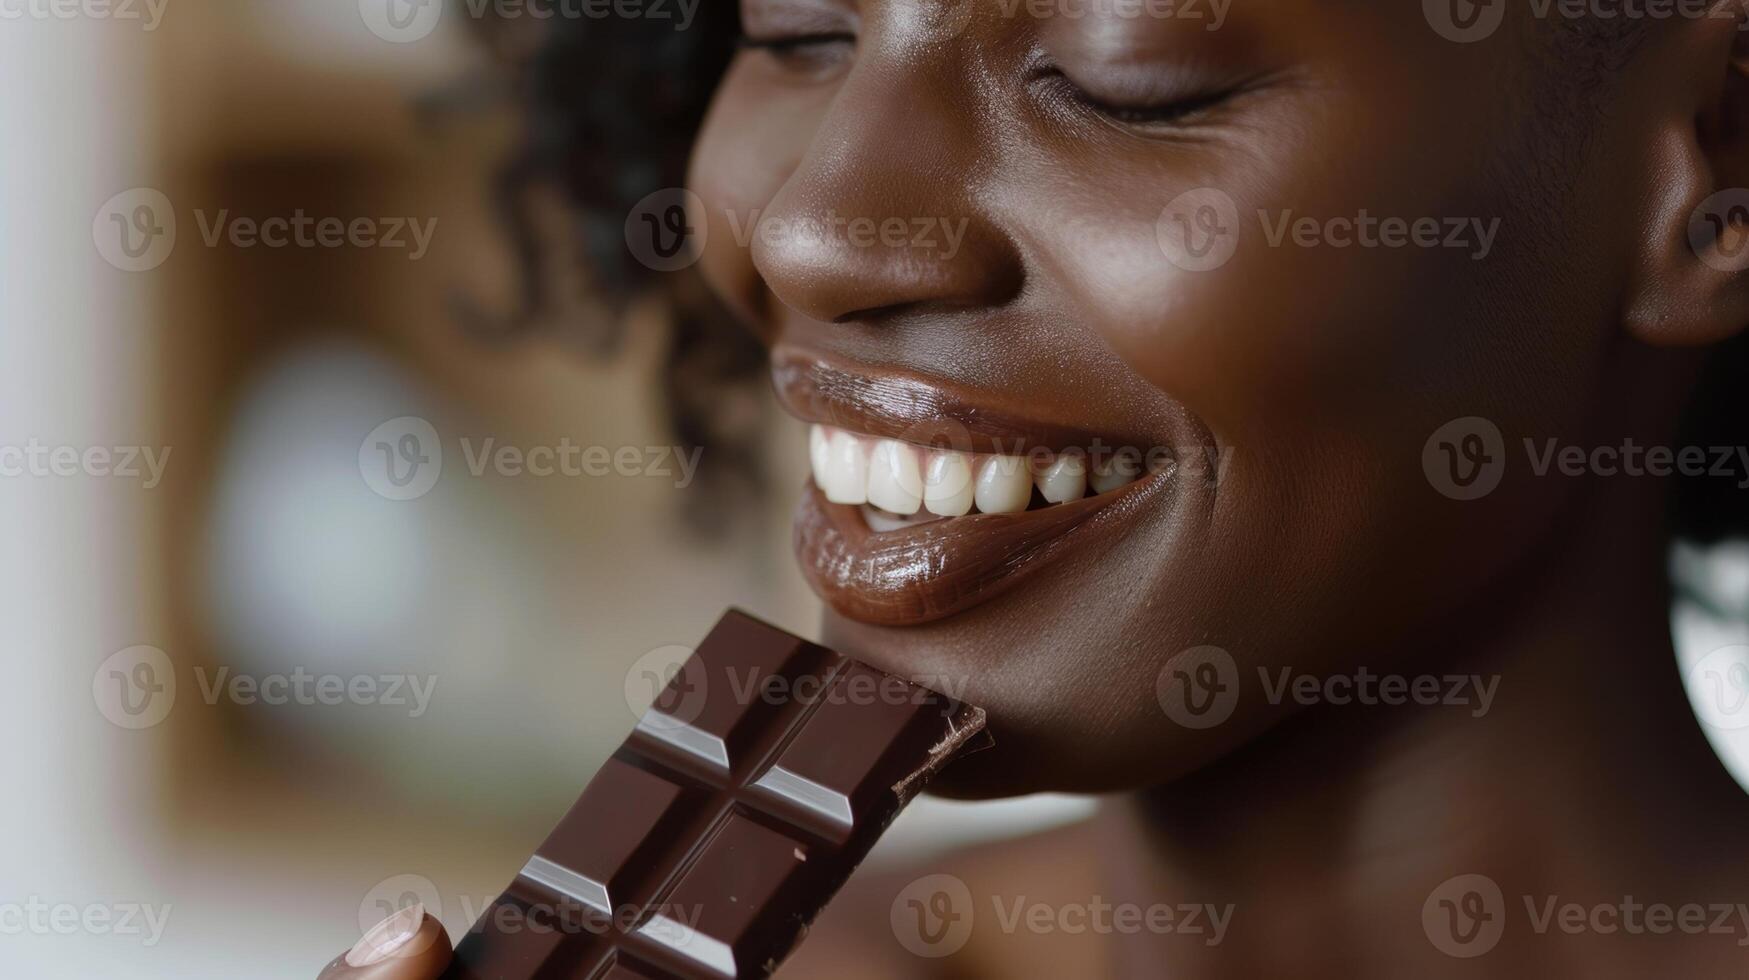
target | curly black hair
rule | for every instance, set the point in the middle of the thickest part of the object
(610, 111)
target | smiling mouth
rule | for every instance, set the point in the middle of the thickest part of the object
(898, 484)
(904, 531)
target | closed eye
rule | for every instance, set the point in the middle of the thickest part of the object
(804, 53)
(1171, 112)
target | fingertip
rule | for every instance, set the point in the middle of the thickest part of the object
(408, 945)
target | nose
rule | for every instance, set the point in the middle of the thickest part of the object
(883, 213)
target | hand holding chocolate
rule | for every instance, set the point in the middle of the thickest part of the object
(709, 841)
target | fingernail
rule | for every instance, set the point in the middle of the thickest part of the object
(387, 937)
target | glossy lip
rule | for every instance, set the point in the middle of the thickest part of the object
(918, 574)
(926, 413)
(926, 572)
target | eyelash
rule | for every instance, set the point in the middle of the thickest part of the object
(1141, 117)
(1175, 112)
(791, 45)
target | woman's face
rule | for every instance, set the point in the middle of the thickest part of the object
(1273, 246)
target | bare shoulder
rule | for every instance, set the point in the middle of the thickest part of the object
(963, 915)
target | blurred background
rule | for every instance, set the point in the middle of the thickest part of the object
(279, 659)
(190, 792)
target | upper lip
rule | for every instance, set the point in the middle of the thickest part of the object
(925, 411)
(932, 570)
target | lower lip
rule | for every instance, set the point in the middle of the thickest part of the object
(930, 571)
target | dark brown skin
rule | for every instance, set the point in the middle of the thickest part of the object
(409, 944)
(1322, 372)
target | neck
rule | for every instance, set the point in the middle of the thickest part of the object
(1586, 780)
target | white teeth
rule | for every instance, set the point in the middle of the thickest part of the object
(880, 522)
(1064, 479)
(818, 447)
(1004, 485)
(895, 481)
(846, 470)
(902, 484)
(1114, 472)
(947, 485)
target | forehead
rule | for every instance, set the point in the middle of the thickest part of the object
(1401, 24)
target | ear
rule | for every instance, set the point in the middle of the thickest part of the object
(1692, 285)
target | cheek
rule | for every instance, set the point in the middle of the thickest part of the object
(752, 141)
(1257, 281)
(1323, 358)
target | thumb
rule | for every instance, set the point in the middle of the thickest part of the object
(408, 945)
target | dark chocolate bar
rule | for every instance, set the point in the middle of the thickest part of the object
(746, 796)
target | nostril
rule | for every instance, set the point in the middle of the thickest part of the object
(887, 312)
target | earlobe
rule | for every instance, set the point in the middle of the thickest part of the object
(1692, 287)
